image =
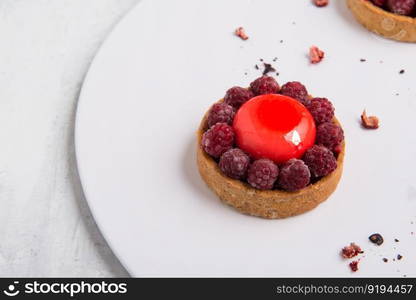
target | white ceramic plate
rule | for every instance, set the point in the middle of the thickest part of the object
(161, 69)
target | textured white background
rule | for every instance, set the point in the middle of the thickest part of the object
(46, 46)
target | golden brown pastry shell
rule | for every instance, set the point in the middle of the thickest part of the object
(382, 22)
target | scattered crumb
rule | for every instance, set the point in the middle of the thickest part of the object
(370, 122)
(256, 67)
(397, 94)
(354, 265)
(321, 3)
(240, 32)
(268, 68)
(363, 60)
(401, 72)
(281, 41)
(396, 240)
(351, 251)
(261, 59)
(274, 59)
(399, 257)
(315, 55)
(385, 260)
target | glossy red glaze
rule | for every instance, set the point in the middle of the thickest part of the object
(275, 127)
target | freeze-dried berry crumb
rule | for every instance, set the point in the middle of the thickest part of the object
(351, 251)
(315, 55)
(296, 90)
(220, 113)
(321, 109)
(294, 175)
(354, 265)
(218, 139)
(234, 163)
(237, 96)
(262, 174)
(330, 135)
(376, 238)
(399, 257)
(320, 160)
(268, 68)
(380, 3)
(369, 122)
(401, 7)
(264, 85)
(321, 3)
(241, 33)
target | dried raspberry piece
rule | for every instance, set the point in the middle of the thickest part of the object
(354, 265)
(218, 139)
(401, 7)
(321, 3)
(369, 122)
(320, 160)
(329, 135)
(264, 85)
(234, 163)
(315, 54)
(237, 96)
(294, 175)
(295, 90)
(379, 3)
(241, 33)
(351, 251)
(321, 109)
(262, 174)
(220, 113)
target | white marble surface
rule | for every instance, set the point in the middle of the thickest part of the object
(46, 46)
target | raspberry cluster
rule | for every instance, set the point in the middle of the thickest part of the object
(399, 7)
(264, 174)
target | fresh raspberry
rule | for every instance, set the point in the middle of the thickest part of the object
(294, 175)
(296, 90)
(329, 135)
(237, 96)
(320, 160)
(218, 139)
(380, 3)
(321, 109)
(401, 7)
(264, 85)
(262, 174)
(220, 113)
(234, 163)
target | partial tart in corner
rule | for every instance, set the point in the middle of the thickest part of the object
(393, 19)
(271, 151)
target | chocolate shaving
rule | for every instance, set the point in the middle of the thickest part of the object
(268, 68)
(369, 122)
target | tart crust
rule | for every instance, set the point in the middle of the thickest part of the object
(384, 23)
(269, 204)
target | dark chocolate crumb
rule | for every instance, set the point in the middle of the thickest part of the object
(268, 68)
(396, 240)
(277, 74)
(397, 94)
(385, 260)
(245, 73)
(401, 72)
(399, 257)
(274, 59)
(376, 238)
(363, 60)
(261, 59)
(257, 67)
(281, 41)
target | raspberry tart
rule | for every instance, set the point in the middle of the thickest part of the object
(393, 19)
(271, 151)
